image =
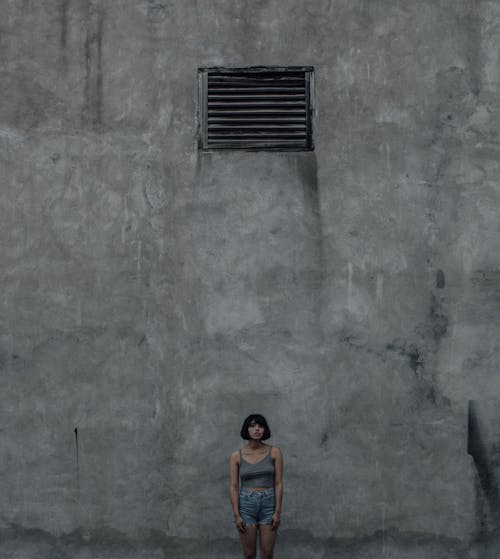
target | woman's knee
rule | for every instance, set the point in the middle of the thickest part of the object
(249, 552)
(266, 551)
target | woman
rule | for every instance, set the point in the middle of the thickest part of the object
(256, 496)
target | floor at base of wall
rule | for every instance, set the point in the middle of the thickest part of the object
(36, 544)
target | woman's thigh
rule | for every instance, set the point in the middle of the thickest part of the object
(249, 538)
(267, 538)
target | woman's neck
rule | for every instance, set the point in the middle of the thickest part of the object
(255, 445)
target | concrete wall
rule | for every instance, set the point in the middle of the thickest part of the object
(153, 295)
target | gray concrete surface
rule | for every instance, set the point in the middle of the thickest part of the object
(153, 295)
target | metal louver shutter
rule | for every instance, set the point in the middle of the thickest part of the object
(255, 108)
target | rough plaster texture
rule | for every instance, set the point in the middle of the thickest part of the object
(153, 295)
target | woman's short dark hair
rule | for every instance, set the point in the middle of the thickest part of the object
(257, 418)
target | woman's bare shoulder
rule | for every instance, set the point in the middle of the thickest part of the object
(235, 455)
(275, 451)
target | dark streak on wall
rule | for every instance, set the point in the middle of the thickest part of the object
(64, 32)
(87, 59)
(93, 89)
(438, 318)
(308, 172)
(483, 456)
(98, 87)
(414, 357)
(77, 457)
(472, 24)
(440, 279)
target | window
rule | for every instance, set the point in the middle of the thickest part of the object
(255, 108)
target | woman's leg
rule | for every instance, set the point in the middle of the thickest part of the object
(249, 541)
(267, 537)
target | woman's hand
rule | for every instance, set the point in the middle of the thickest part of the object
(240, 524)
(275, 520)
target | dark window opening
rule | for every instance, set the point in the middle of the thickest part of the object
(256, 108)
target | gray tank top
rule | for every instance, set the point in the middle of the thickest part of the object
(260, 474)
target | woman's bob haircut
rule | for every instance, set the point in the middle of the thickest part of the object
(255, 418)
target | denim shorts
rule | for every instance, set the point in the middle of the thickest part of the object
(256, 507)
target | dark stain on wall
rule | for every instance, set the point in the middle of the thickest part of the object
(98, 86)
(413, 355)
(482, 457)
(3, 360)
(307, 169)
(438, 318)
(425, 388)
(440, 279)
(64, 31)
(324, 440)
(94, 21)
(435, 326)
(419, 354)
(415, 359)
(472, 23)
(77, 458)
(86, 10)
(156, 9)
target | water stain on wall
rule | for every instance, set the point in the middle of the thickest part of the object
(93, 83)
(307, 169)
(472, 23)
(77, 457)
(440, 279)
(411, 352)
(438, 318)
(485, 457)
(64, 32)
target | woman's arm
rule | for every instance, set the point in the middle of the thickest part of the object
(233, 490)
(278, 485)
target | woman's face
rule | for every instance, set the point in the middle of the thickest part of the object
(255, 431)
